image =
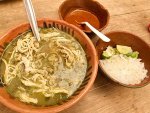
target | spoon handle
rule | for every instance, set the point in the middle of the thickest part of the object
(32, 18)
(98, 33)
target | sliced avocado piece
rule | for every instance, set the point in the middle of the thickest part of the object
(133, 54)
(105, 55)
(124, 49)
(108, 53)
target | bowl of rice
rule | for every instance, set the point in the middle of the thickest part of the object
(125, 60)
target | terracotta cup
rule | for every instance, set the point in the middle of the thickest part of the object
(88, 5)
(127, 39)
(92, 60)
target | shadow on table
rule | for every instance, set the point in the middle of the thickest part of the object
(8, 1)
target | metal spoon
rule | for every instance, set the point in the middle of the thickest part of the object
(98, 33)
(32, 18)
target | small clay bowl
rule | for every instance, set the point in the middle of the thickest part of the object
(91, 6)
(92, 68)
(128, 39)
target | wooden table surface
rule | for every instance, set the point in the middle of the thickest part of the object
(104, 96)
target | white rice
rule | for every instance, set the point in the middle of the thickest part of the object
(124, 69)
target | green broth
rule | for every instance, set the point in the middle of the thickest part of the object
(43, 73)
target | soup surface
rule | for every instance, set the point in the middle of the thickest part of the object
(46, 72)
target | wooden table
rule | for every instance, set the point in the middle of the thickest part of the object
(105, 96)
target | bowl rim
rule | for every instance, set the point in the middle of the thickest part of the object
(107, 75)
(94, 1)
(51, 109)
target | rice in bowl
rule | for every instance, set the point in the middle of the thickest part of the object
(125, 70)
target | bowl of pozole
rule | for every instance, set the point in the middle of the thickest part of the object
(48, 75)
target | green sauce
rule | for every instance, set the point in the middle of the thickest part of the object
(43, 73)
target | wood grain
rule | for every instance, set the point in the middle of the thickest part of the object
(105, 96)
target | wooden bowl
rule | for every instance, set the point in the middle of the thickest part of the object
(92, 59)
(88, 5)
(128, 39)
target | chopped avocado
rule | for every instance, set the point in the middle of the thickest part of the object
(124, 49)
(105, 55)
(120, 49)
(133, 54)
(109, 52)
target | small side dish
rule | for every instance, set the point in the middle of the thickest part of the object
(81, 15)
(123, 65)
(84, 11)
